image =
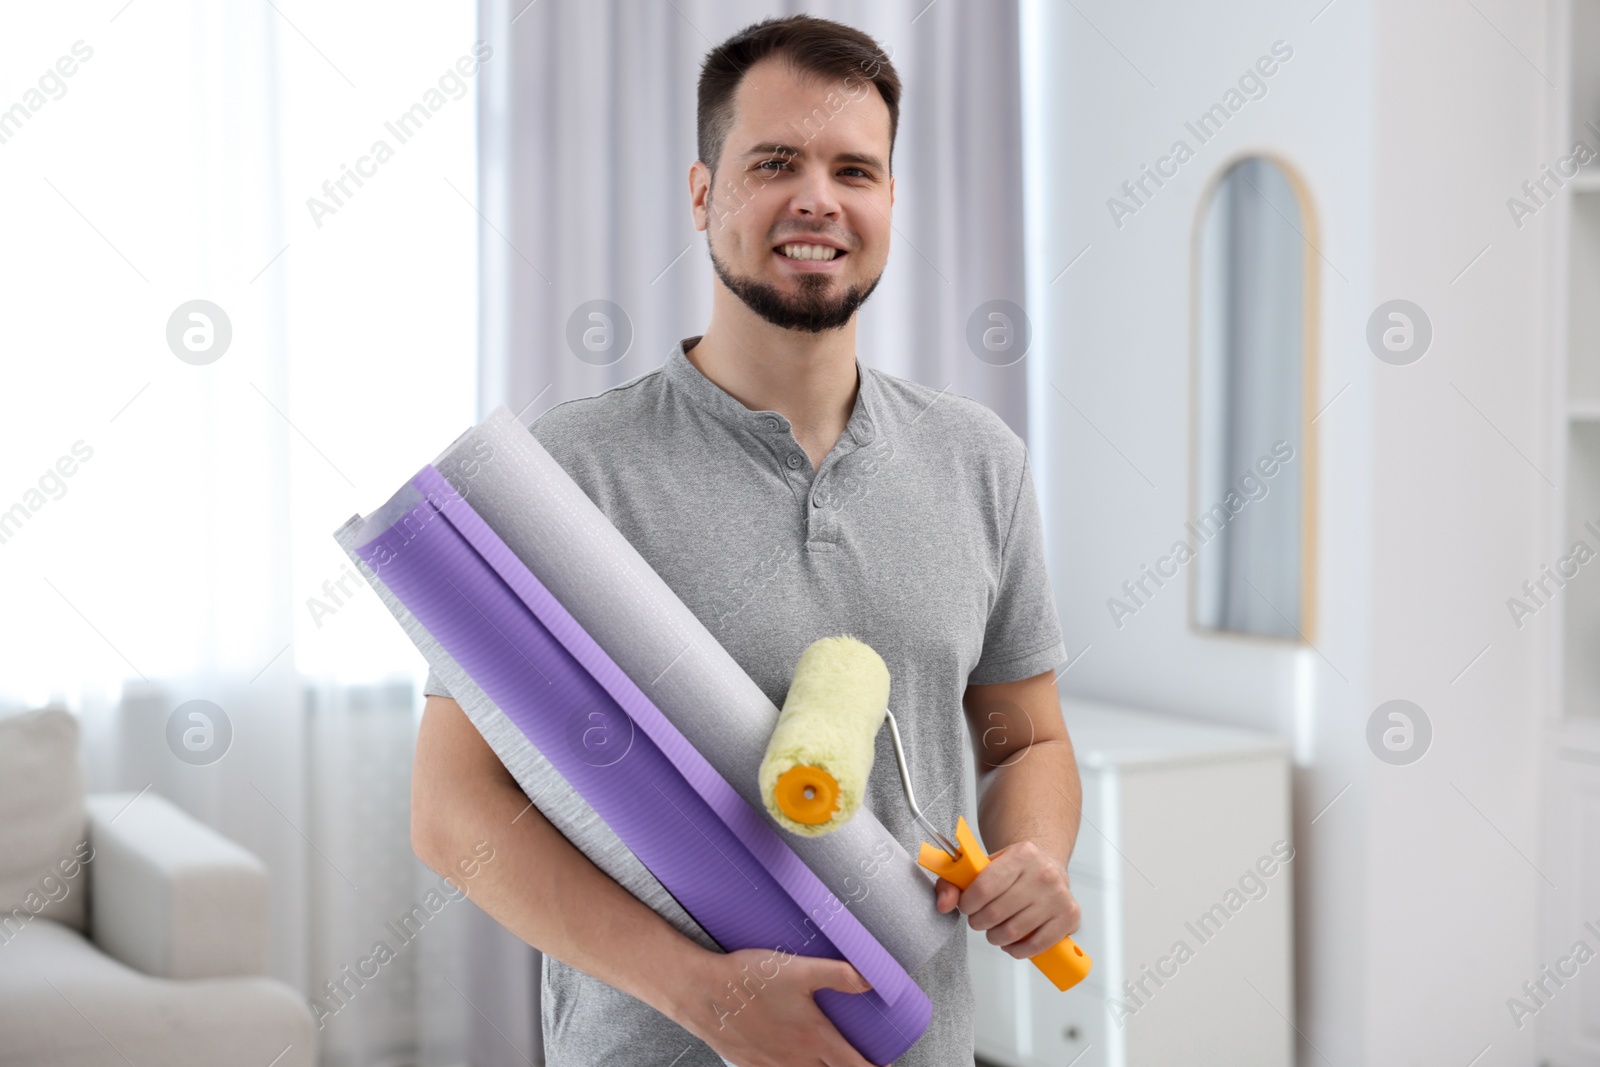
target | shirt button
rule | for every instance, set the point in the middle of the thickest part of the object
(794, 459)
(772, 423)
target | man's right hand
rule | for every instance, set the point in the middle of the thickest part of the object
(754, 1007)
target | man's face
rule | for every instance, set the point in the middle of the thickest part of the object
(803, 176)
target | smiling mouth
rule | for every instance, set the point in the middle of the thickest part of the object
(810, 253)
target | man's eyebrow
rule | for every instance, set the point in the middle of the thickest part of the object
(775, 149)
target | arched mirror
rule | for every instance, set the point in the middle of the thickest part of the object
(1251, 497)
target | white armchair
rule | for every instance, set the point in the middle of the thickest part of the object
(129, 932)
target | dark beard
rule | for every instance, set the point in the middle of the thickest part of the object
(810, 309)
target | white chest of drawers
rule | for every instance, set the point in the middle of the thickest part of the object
(1184, 868)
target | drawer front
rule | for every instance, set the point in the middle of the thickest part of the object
(994, 1001)
(1022, 1020)
(1094, 931)
(1067, 1028)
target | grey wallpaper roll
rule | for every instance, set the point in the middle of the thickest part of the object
(557, 531)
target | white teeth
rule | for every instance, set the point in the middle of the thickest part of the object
(808, 251)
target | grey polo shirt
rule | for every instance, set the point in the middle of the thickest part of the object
(918, 534)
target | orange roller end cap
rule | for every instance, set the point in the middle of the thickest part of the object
(807, 794)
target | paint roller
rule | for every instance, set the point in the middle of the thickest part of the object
(814, 775)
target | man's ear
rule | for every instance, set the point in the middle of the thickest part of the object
(891, 190)
(699, 192)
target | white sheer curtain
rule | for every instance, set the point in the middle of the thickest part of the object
(188, 553)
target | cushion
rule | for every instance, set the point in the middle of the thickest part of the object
(43, 842)
(65, 1003)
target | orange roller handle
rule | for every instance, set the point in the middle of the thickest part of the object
(1064, 963)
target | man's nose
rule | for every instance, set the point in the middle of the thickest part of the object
(816, 196)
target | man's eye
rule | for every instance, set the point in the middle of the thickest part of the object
(781, 162)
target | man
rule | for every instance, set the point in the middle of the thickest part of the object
(787, 492)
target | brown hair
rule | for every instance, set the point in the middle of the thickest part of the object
(813, 45)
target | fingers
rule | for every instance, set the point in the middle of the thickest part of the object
(840, 1053)
(845, 1057)
(840, 975)
(1016, 914)
(999, 907)
(1020, 925)
(1038, 941)
(990, 883)
(834, 974)
(1029, 916)
(787, 1025)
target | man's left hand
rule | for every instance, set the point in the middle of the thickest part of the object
(1022, 899)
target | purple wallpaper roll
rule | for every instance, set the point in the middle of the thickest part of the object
(719, 858)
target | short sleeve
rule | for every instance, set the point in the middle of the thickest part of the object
(1023, 635)
(433, 687)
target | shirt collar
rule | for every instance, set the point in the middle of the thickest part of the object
(862, 427)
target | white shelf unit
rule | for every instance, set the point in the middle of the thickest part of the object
(1176, 814)
(1569, 1023)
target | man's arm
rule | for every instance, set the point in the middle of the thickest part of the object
(1029, 802)
(545, 891)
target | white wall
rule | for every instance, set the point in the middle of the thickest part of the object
(1411, 125)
